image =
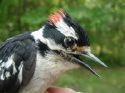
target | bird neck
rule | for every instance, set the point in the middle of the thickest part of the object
(38, 35)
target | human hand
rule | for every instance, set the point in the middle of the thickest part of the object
(60, 90)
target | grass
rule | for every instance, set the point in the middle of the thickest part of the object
(113, 81)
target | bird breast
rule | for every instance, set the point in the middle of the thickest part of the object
(48, 69)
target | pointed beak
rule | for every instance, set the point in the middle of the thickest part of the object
(94, 58)
(83, 64)
(75, 59)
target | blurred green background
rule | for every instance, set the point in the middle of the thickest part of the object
(104, 21)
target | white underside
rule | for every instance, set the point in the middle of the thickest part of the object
(48, 69)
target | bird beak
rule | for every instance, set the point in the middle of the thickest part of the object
(83, 64)
(86, 52)
(94, 58)
(77, 60)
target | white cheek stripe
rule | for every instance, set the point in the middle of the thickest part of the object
(65, 29)
(52, 45)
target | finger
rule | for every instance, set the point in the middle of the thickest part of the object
(60, 90)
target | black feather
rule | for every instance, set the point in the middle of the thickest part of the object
(24, 49)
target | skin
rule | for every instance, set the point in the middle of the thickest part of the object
(60, 90)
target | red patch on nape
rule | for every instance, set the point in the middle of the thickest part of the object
(56, 16)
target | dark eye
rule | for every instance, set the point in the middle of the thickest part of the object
(69, 41)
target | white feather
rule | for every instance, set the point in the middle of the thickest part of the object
(48, 69)
(9, 62)
(52, 45)
(7, 74)
(20, 72)
(14, 68)
(2, 77)
(38, 35)
(65, 29)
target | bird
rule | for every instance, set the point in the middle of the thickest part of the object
(32, 61)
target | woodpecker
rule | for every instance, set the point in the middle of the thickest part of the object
(32, 61)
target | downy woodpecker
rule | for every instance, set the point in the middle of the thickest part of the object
(31, 62)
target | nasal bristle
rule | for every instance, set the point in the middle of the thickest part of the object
(56, 16)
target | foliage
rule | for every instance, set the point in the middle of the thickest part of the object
(82, 81)
(104, 21)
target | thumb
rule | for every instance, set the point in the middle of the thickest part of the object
(60, 90)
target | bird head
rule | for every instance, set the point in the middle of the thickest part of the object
(66, 36)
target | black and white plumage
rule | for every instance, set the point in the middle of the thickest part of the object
(31, 62)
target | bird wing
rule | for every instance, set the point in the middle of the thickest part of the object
(17, 63)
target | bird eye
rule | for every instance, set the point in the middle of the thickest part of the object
(69, 41)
